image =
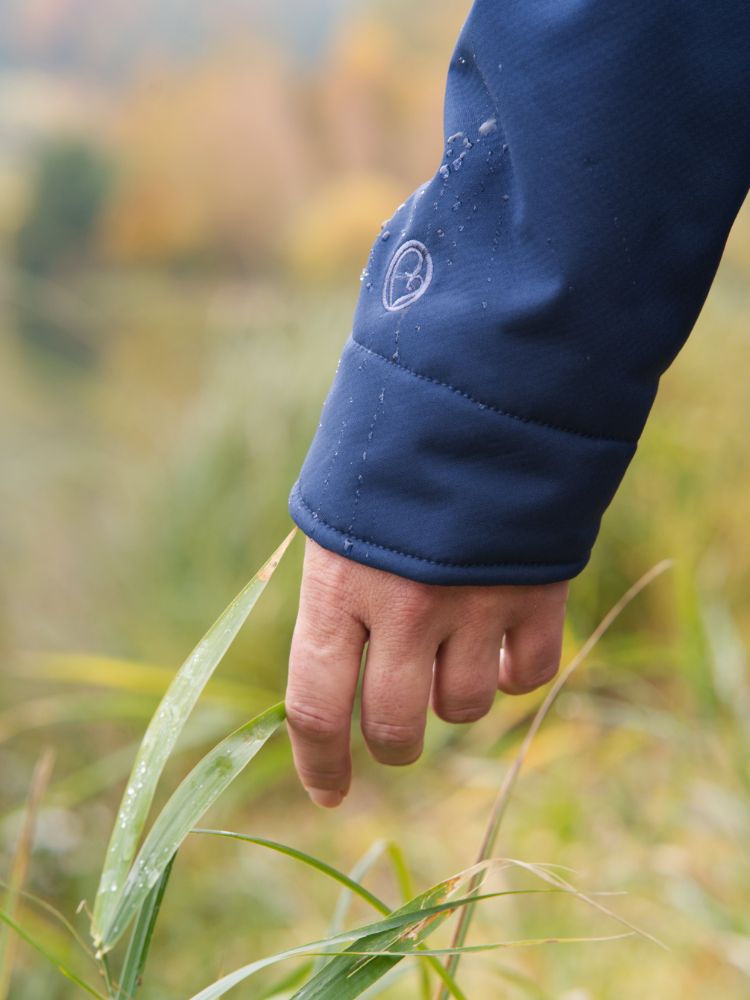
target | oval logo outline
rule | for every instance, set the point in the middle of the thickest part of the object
(415, 278)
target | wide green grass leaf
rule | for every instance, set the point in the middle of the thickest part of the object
(159, 741)
(199, 790)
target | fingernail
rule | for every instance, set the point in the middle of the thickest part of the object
(326, 797)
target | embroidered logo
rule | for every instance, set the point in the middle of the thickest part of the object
(408, 277)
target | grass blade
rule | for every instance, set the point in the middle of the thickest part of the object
(386, 982)
(395, 921)
(6, 919)
(341, 910)
(20, 867)
(402, 929)
(347, 975)
(503, 797)
(160, 738)
(403, 877)
(60, 918)
(140, 941)
(127, 676)
(283, 989)
(351, 885)
(308, 859)
(189, 802)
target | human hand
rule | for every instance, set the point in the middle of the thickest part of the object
(409, 627)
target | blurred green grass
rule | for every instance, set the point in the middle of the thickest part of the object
(147, 450)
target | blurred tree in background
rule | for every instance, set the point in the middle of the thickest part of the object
(69, 188)
(57, 238)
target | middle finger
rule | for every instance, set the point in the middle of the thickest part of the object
(395, 694)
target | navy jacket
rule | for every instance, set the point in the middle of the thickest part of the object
(517, 311)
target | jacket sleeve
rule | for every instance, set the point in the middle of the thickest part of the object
(517, 311)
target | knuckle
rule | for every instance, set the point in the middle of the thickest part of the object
(395, 735)
(415, 602)
(538, 673)
(313, 721)
(320, 645)
(546, 673)
(327, 592)
(466, 711)
(485, 602)
(329, 778)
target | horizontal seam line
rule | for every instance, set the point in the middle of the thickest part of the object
(410, 555)
(488, 406)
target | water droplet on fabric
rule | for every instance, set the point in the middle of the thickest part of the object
(487, 127)
(444, 173)
(385, 236)
(348, 545)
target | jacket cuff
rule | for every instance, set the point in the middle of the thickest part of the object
(420, 478)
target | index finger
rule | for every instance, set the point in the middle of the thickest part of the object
(324, 665)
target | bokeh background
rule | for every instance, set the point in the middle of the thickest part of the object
(188, 193)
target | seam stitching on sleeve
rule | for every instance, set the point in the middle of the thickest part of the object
(489, 407)
(425, 559)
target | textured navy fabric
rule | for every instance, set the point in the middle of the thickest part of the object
(517, 311)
